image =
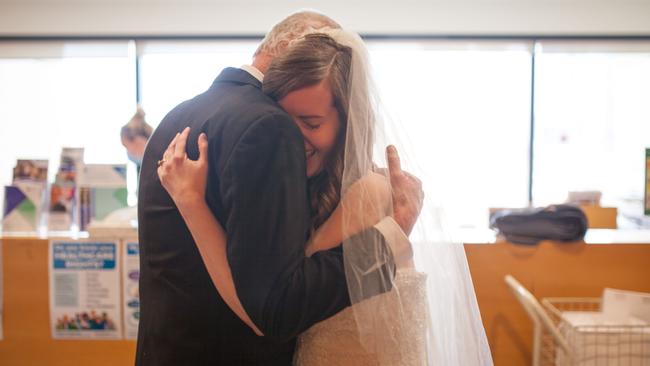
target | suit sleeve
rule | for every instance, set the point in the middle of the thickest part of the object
(264, 192)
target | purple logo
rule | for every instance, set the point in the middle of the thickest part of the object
(134, 275)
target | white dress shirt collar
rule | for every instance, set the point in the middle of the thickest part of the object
(257, 74)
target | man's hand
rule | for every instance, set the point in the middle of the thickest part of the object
(406, 190)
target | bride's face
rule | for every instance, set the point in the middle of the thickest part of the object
(313, 110)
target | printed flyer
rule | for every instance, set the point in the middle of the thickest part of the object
(22, 207)
(102, 191)
(62, 206)
(131, 289)
(84, 290)
(31, 171)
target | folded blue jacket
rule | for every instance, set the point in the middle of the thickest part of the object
(529, 226)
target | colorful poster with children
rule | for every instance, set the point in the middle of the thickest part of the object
(84, 290)
(130, 288)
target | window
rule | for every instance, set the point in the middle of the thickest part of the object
(172, 72)
(592, 122)
(56, 94)
(462, 109)
(465, 109)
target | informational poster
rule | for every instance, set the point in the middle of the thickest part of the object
(131, 289)
(84, 289)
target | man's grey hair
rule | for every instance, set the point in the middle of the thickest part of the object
(292, 28)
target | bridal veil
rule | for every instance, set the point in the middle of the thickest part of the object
(453, 331)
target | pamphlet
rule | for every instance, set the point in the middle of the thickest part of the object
(31, 170)
(23, 203)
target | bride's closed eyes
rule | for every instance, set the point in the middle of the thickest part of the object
(311, 122)
(318, 120)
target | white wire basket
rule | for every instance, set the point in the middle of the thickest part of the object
(592, 340)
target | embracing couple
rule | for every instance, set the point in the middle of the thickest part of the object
(269, 236)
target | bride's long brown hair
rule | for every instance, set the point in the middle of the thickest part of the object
(309, 61)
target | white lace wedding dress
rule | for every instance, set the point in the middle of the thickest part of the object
(335, 341)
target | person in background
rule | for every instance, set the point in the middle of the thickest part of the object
(135, 135)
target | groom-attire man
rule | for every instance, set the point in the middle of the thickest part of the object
(257, 189)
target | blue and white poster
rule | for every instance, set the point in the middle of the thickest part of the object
(131, 289)
(84, 290)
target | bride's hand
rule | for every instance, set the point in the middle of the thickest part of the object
(185, 180)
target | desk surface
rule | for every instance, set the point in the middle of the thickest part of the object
(467, 236)
(593, 236)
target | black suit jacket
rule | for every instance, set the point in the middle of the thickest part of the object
(257, 189)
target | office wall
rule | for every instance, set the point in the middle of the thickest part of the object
(225, 17)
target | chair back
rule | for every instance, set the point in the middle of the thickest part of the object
(541, 320)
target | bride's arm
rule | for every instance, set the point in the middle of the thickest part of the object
(185, 181)
(210, 239)
(363, 205)
(368, 202)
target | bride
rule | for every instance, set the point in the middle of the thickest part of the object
(430, 315)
